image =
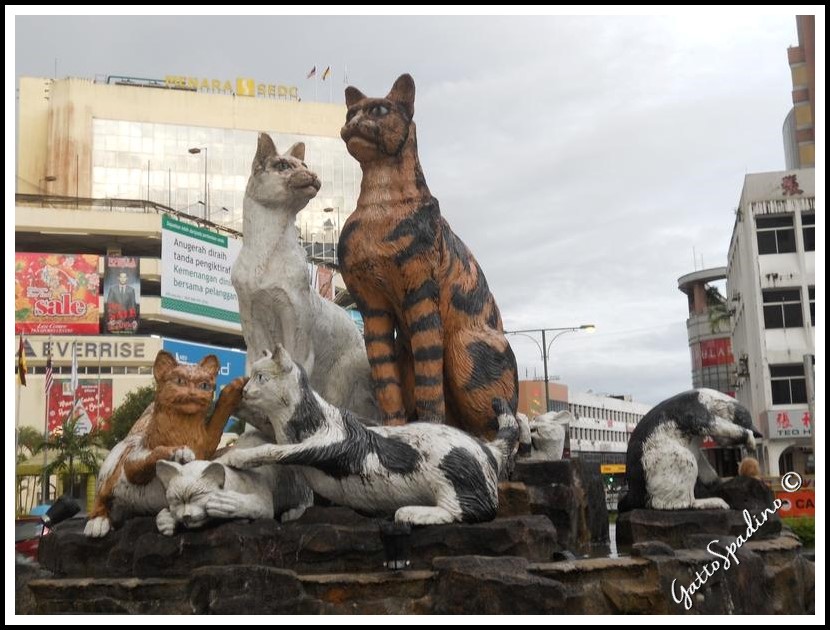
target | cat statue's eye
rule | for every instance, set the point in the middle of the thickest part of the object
(379, 110)
(204, 385)
(284, 166)
(180, 381)
(261, 377)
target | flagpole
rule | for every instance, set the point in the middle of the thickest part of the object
(98, 408)
(44, 491)
(74, 380)
(16, 446)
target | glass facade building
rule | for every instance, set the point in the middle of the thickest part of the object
(139, 160)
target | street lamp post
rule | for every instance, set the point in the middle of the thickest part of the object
(194, 151)
(544, 349)
(338, 229)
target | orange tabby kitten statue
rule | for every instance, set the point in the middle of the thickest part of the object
(178, 426)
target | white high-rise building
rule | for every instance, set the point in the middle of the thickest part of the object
(771, 286)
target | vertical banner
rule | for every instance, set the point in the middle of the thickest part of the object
(122, 288)
(196, 283)
(90, 415)
(56, 294)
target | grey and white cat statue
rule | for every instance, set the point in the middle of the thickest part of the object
(423, 473)
(200, 491)
(271, 279)
(664, 458)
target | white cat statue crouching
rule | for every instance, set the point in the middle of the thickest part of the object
(199, 491)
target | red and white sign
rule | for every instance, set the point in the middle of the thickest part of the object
(87, 397)
(716, 352)
(789, 423)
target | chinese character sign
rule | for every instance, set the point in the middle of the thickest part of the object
(789, 423)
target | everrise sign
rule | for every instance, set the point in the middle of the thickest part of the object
(242, 87)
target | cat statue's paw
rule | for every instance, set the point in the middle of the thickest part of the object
(231, 394)
(97, 527)
(293, 514)
(223, 504)
(165, 522)
(711, 503)
(183, 455)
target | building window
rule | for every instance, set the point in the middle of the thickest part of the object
(808, 223)
(789, 386)
(776, 235)
(782, 308)
(812, 293)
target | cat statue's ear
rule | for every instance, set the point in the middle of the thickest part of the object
(211, 363)
(163, 364)
(403, 93)
(265, 148)
(282, 358)
(297, 150)
(167, 470)
(353, 95)
(215, 473)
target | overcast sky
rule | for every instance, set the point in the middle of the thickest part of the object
(581, 159)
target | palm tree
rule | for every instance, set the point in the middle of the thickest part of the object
(70, 449)
(28, 438)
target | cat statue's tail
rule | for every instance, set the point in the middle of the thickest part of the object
(507, 438)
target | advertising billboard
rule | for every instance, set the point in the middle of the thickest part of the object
(196, 283)
(716, 352)
(93, 403)
(122, 288)
(56, 294)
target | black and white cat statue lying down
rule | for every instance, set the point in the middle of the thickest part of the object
(424, 473)
(664, 458)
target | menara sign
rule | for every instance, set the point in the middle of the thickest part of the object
(244, 87)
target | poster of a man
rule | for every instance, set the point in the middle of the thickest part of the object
(121, 281)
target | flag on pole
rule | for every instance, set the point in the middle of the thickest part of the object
(311, 72)
(326, 72)
(21, 362)
(48, 384)
(73, 381)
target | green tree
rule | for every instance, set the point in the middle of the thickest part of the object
(71, 448)
(124, 417)
(29, 440)
(719, 314)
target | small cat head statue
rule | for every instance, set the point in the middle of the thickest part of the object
(379, 128)
(188, 488)
(184, 389)
(276, 384)
(281, 181)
